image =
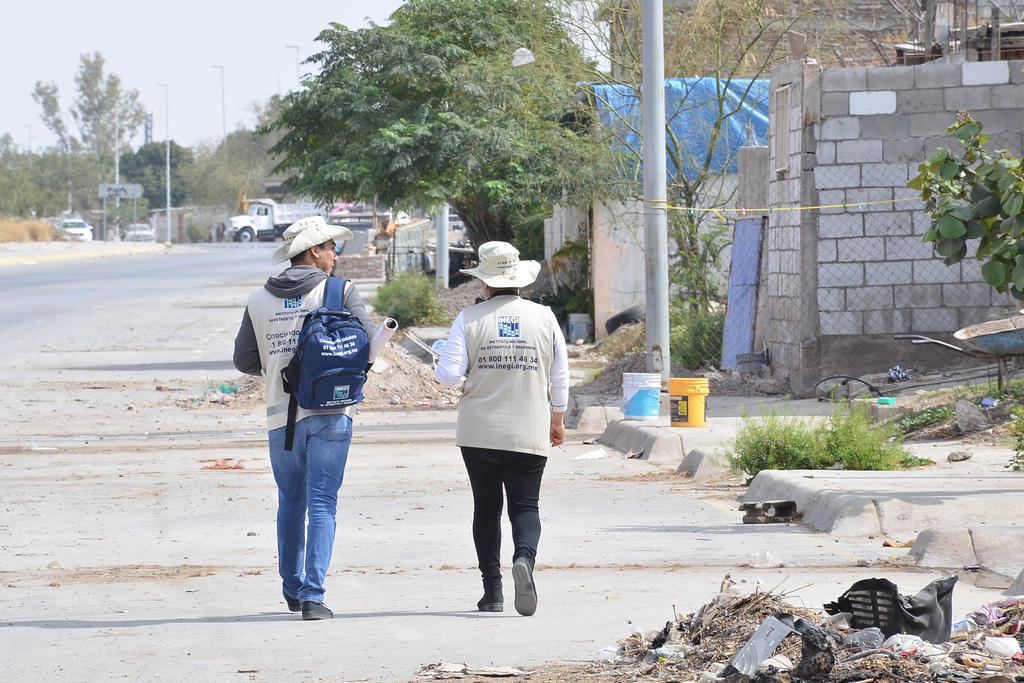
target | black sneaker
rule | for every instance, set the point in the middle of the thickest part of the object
(312, 611)
(492, 601)
(526, 591)
(293, 603)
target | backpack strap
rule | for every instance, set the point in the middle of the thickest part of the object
(289, 430)
(334, 293)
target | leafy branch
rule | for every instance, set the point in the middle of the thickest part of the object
(976, 195)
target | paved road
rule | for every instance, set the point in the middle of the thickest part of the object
(124, 558)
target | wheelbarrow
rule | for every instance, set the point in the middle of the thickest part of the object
(998, 340)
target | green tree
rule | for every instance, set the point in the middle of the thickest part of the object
(103, 111)
(147, 166)
(429, 110)
(241, 161)
(976, 196)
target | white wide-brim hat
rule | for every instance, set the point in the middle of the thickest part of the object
(307, 233)
(500, 267)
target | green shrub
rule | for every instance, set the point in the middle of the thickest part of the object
(854, 441)
(196, 233)
(410, 299)
(695, 337)
(774, 442)
(847, 439)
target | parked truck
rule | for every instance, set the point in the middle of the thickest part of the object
(266, 219)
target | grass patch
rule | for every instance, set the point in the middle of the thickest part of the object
(919, 419)
(848, 439)
(18, 230)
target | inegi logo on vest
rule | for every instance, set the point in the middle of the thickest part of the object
(341, 393)
(508, 326)
(293, 303)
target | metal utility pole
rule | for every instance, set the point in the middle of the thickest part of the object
(655, 192)
(167, 135)
(223, 110)
(441, 253)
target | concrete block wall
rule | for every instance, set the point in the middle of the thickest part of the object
(878, 124)
(862, 133)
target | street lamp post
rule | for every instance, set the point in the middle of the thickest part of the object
(167, 134)
(223, 110)
(655, 190)
(298, 79)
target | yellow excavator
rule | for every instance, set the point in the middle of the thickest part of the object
(243, 203)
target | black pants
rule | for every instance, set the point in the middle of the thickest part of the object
(520, 474)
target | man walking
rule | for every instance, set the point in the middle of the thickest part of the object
(309, 475)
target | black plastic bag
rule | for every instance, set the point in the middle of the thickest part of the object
(877, 602)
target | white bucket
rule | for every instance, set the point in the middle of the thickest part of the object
(641, 395)
(580, 327)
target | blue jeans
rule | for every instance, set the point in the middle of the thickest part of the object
(308, 479)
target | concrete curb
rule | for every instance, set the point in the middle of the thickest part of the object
(652, 443)
(986, 547)
(595, 419)
(700, 465)
(837, 512)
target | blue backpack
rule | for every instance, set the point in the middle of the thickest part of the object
(331, 358)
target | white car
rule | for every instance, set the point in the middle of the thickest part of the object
(76, 227)
(139, 232)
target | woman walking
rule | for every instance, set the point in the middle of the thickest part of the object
(513, 356)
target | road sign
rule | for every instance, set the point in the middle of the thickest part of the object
(112, 191)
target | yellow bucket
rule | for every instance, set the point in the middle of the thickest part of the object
(687, 406)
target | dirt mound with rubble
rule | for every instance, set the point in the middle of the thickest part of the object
(397, 379)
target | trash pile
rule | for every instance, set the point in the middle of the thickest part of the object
(759, 637)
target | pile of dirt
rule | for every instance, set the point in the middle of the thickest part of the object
(398, 378)
(461, 295)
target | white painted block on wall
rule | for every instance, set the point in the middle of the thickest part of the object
(985, 73)
(866, 103)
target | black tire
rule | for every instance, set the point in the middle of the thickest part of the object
(245, 235)
(633, 314)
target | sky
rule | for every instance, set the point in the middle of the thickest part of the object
(147, 43)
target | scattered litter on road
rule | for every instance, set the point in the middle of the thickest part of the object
(760, 637)
(595, 454)
(764, 559)
(223, 465)
(898, 544)
(444, 671)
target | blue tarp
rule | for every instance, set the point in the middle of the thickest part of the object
(692, 106)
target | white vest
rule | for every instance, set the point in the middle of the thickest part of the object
(277, 322)
(506, 398)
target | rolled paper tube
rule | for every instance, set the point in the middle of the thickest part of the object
(382, 336)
